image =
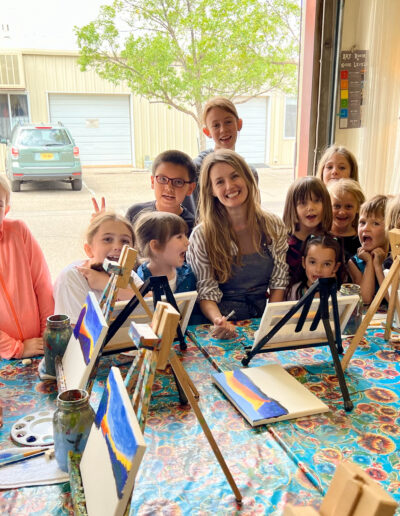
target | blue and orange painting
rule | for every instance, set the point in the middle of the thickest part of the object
(248, 398)
(113, 420)
(88, 328)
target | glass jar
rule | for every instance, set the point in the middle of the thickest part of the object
(55, 340)
(350, 289)
(72, 422)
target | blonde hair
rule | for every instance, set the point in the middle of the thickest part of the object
(339, 149)
(342, 186)
(300, 191)
(222, 103)
(392, 216)
(374, 207)
(4, 186)
(157, 225)
(106, 216)
(217, 228)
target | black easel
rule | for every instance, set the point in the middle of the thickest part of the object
(327, 288)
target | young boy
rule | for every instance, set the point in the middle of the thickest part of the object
(366, 267)
(26, 294)
(173, 178)
(222, 124)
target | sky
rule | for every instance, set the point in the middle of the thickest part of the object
(44, 24)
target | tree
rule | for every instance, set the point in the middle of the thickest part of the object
(183, 52)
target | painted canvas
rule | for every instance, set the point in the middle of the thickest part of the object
(268, 393)
(287, 335)
(121, 340)
(113, 452)
(84, 344)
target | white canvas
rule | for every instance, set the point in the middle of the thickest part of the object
(76, 370)
(121, 340)
(286, 336)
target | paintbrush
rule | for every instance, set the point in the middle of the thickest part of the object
(11, 457)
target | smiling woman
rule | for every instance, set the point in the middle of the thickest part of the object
(238, 251)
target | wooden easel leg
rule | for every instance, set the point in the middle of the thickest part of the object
(370, 313)
(392, 304)
(181, 375)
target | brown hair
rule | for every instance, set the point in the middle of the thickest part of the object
(339, 149)
(392, 217)
(176, 157)
(342, 186)
(374, 207)
(6, 189)
(300, 191)
(106, 216)
(222, 103)
(217, 228)
(159, 226)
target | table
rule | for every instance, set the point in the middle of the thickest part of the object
(179, 473)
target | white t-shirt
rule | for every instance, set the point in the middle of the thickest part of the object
(71, 288)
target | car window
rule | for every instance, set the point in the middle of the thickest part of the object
(45, 137)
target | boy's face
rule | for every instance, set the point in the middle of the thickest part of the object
(170, 197)
(4, 207)
(222, 126)
(371, 232)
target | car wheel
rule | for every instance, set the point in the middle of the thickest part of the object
(15, 186)
(77, 184)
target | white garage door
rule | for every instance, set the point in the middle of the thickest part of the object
(100, 125)
(251, 139)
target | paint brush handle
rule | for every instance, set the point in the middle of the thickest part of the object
(7, 459)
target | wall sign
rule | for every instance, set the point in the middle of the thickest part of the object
(353, 66)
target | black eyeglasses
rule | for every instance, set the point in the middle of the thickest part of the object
(177, 182)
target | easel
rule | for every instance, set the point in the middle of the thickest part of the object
(327, 289)
(157, 354)
(391, 281)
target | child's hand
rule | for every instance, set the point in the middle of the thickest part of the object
(378, 255)
(33, 347)
(96, 206)
(223, 329)
(363, 254)
(96, 280)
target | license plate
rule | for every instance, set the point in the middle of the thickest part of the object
(46, 155)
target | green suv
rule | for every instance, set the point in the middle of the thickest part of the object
(42, 153)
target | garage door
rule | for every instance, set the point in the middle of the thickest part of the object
(100, 125)
(251, 139)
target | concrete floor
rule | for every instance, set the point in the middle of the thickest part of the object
(58, 217)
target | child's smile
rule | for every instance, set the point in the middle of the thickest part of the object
(168, 197)
(320, 262)
(371, 232)
(222, 127)
(309, 213)
(108, 242)
(344, 212)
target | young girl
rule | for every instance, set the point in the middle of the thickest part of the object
(307, 211)
(162, 242)
(322, 257)
(366, 267)
(238, 251)
(105, 237)
(25, 286)
(347, 197)
(337, 162)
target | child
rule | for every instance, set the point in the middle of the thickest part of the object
(366, 267)
(307, 211)
(173, 178)
(238, 251)
(162, 242)
(322, 257)
(347, 197)
(105, 237)
(25, 286)
(222, 124)
(337, 162)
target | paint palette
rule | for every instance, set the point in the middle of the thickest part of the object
(34, 430)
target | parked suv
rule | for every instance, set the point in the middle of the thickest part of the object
(42, 153)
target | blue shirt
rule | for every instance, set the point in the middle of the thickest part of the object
(185, 278)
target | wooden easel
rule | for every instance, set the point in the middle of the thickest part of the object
(157, 355)
(391, 281)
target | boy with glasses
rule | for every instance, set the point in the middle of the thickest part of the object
(173, 178)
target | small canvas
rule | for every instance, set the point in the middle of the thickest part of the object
(121, 340)
(84, 344)
(287, 336)
(268, 393)
(113, 452)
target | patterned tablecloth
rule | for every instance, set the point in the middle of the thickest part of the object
(179, 473)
